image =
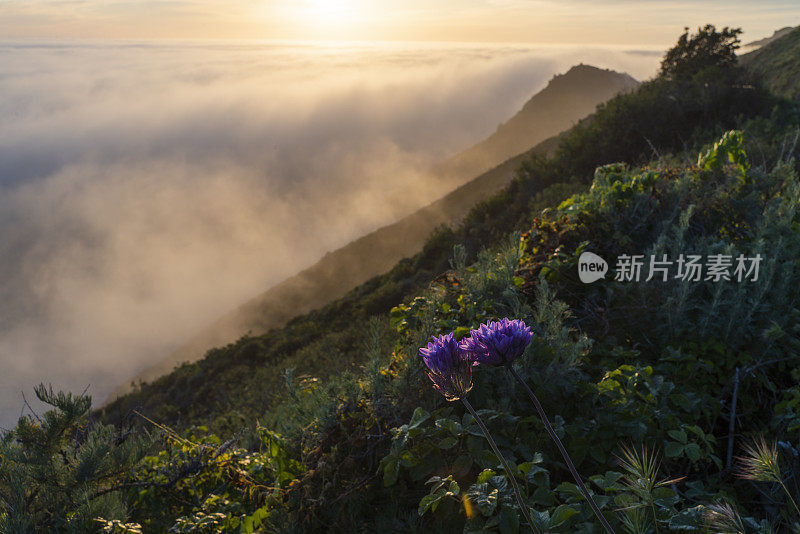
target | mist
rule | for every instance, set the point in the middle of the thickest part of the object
(148, 188)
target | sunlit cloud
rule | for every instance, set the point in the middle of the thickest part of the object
(654, 22)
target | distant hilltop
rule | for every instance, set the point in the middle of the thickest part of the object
(749, 47)
(567, 98)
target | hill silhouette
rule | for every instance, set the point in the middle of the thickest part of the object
(567, 98)
(777, 34)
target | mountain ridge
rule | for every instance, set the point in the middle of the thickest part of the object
(777, 34)
(578, 90)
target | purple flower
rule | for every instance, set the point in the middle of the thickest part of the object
(450, 368)
(498, 342)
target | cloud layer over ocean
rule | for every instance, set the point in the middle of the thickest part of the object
(146, 189)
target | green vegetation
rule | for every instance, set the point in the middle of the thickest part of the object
(565, 100)
(708, 53)
(778, 64)
(661, 391)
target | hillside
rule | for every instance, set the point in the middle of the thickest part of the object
(341, 270)
(777, 63)
(675, 397)
(567, 98)
(662, 116)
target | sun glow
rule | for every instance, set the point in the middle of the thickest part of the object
(333, 13)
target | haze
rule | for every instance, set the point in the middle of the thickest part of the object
(628, 22)
(148, 188)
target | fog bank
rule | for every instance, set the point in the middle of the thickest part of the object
(146, 189)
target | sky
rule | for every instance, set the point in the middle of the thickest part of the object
(597, 22)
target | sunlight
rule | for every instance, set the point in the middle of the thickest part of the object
(333, 12)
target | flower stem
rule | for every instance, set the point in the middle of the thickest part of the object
(563, 451)
(791, 499)
(509, 472)
(655, 517)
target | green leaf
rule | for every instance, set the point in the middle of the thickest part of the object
(678, 435)
(484, 497)
(487, 457)
(689, 520)
(453, 487)
(525, 467)
(461, 332)
(673, 449)
(693, 452)
(562, 514)
(598, 454)
(254, 521)
(447, 443)
(435, 479)
(509, 521)
(428, 501)
(390, 472)
(454, 427)
(534, 470)
(485, 475)
(500, 482)
(541, 519)
(569, 488)
(419, 417)
(697, 431)
(609, 481)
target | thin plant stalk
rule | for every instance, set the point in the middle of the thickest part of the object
(791, 499)
(510, 473)
(655, 517)
(562, 450)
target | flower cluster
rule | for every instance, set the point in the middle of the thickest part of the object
(498, 343)
(494, 343)
(449, 368)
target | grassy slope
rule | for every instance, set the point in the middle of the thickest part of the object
(236, 383)
(778, 64)
(567, 98)
(245, 376)
(345, 268)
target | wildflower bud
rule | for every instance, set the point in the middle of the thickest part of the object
(498, 343)
(449, 368)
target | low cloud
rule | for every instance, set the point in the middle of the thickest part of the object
(146, 189)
